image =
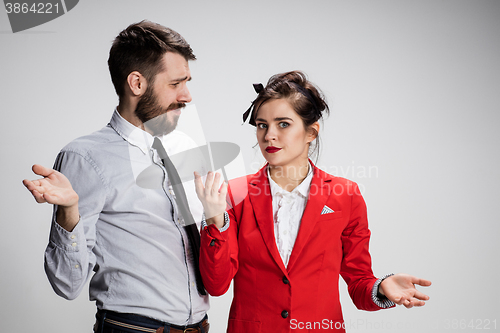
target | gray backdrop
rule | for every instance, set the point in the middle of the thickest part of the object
(415, 95)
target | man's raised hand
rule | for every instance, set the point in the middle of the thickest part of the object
(55, 188)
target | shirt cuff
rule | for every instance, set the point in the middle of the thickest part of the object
(381, 301)
(224, 228)
(71, 241)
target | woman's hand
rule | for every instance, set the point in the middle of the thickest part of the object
(400, 289)
(55, 188)
(213, 199)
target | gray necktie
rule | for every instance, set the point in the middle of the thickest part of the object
(182, 204)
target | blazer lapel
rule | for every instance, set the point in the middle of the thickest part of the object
(260, 196)
(318, 195)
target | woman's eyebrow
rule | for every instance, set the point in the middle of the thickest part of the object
(275, 119)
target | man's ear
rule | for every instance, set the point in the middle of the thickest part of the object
(313, 131)
(136, 83)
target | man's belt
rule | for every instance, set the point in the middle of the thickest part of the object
(115, 320)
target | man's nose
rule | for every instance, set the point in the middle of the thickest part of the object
(184, 95)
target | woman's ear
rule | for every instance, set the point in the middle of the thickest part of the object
(313, 132)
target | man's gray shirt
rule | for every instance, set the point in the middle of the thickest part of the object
(129, 232)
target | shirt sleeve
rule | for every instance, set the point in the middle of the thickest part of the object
(379, 299)
(224, 228)
(69, 259)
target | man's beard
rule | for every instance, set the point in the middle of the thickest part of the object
(154, 116)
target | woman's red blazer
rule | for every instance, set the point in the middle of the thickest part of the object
(332, 240)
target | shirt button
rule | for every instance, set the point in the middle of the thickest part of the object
(77, 266)
(73, 236)
(284, 314)
(74, 244)
(212, 243)
(285, 232)
(285, 280)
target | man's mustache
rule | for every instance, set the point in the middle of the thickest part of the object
(176, 106)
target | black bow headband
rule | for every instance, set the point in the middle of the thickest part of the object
(259, 88)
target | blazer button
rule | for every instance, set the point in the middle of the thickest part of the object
(284, 314)
(212, 242)
(285, 280)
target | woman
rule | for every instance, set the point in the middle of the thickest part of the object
(298, 228)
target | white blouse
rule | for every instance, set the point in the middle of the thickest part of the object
(288, 208)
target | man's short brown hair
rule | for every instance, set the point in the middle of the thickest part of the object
(140, 47)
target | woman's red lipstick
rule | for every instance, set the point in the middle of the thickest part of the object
(271, 149)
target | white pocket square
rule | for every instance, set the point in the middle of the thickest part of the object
(327, 210)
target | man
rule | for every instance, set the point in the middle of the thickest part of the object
(130, 232)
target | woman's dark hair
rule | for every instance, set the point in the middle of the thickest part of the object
(140, 47)
(304, 97)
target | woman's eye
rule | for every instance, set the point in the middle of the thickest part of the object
(261, 125)
(284, 125)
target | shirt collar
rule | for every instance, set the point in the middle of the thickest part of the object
(132, 134)
(302, 188)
